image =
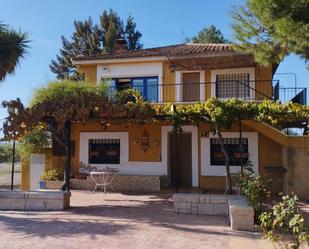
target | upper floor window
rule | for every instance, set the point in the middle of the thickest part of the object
(147, 86)
(235, 85)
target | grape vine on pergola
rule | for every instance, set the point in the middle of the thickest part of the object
(61, 104)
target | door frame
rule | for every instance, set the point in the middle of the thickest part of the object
(194, 146)
(178, 77)
(171, 169)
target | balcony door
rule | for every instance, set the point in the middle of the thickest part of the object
(191, 87)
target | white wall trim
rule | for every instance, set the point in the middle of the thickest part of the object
(119, 60)
(250, 70)
(178, 80)
(194, 132)
(37, 169)
(125, 167)
(219, 170)
(132, 70)
(84, 144)
(202, 86)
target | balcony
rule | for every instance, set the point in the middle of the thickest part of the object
(196, 92)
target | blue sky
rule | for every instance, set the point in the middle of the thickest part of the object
(161, 22)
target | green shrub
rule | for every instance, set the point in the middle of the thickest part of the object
(34, 141)
(254, 188)
(66, 89)
(50, 175)
(6, 152)
(284, 224)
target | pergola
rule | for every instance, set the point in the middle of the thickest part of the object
(211, 61)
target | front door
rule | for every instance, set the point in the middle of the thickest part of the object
(184, 160)
(191, 87)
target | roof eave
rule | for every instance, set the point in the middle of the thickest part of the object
(95, 61)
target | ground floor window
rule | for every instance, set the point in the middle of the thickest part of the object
(237, 154)
(104, 151)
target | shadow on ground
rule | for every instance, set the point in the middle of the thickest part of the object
(114, 214)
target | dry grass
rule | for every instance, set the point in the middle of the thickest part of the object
(5, 175)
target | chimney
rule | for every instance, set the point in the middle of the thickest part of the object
(120, 46)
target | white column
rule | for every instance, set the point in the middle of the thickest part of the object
(202, 86)
(178, 87)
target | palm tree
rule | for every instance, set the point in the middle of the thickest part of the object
(13, 48)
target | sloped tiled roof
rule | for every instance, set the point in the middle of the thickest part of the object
(191, 49)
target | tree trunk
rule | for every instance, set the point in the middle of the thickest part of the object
(228, 177)
(67, 172)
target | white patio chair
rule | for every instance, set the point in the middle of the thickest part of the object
(103, 178)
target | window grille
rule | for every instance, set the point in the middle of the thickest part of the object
(236, 148)
(233, 85)
(104, 151)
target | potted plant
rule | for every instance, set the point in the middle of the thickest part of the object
(50, 180)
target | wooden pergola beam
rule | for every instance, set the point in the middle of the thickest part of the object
(218, 62)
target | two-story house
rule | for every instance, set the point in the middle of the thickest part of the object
(182, 73)
(177, 73)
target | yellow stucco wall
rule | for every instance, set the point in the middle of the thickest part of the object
(295, 160)
(270, 155)
(208, 84)
(25, 173)
(169, 78)
(263, 77)
(90, 73)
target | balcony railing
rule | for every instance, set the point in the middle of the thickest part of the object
(195, 92)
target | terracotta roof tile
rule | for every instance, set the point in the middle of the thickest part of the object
(191, 49)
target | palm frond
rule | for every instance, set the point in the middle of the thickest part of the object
(13, 48)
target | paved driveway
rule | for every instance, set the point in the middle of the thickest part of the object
(120, 221)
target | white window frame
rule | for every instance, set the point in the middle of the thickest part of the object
(219, 170)
(122, 136)
(249, 70)
(150, 69)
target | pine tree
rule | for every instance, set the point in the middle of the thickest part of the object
(132, 35)
(112, 29)
(85, 41)
(271, 29)
(89, 39)
(209, 35)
